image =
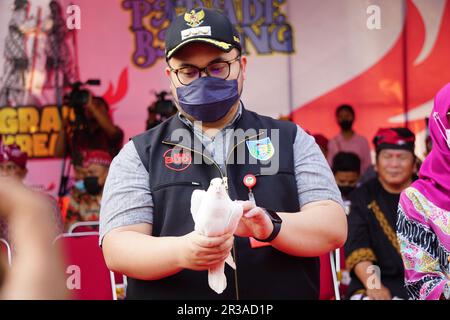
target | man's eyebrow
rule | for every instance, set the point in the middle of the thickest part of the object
(219, 59)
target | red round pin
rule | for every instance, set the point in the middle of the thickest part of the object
(250, 181)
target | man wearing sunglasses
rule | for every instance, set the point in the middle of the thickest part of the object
(296, 213)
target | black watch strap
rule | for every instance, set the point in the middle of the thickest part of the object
(276, 221)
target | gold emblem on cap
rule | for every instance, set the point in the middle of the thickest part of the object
(194, 19)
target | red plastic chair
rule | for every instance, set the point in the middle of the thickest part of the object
(85, 226)
(330, 271)
(5, 251)
(88, 277)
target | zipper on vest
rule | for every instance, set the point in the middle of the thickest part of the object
(224, 176)
(225, 182)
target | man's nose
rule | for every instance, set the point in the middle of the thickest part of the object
(395, 162)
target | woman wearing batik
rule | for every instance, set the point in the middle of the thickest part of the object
(423, 226)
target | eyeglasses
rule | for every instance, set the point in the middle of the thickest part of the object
(187, 75)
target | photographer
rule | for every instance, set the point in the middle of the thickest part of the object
(92, 130)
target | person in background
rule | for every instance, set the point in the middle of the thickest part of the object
(346, 169)
(96, 132)
(85, 197)
(372, 251)
(348, 140)
(13, 164)
(77, 183)
(423, 226)
(322, 142)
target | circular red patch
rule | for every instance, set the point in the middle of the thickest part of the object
(177, 160)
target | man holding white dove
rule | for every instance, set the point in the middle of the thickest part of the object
(269, 205)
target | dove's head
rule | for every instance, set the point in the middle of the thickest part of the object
(216, 186)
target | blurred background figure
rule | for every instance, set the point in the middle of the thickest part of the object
(85, 197)
(13, 165)
(348, 140)
(346, 169)
(161, 110)
(372, 251)
(37, 272)
(13, 162)
(94, 130)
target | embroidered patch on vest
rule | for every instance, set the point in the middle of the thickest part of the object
(261, 149)
(177, 160)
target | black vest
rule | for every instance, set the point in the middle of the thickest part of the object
(262, 273)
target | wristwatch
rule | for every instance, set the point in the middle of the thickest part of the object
(276, 220)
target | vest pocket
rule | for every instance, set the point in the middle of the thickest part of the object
(179, 183)
(277, 192)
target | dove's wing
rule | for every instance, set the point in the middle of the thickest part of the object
(235, 216)
(230, 261)
(196, 200)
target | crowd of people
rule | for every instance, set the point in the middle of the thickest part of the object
(397, 245)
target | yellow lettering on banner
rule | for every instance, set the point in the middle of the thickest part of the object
(52, 144)
(9, 123)
(68, 112)
(35, 130)
(40, 145)
(50, 120)
(28, 120)
(7, 140)
(25, 143)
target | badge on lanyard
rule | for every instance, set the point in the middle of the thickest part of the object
(250, 183)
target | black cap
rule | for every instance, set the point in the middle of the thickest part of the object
(201, 25)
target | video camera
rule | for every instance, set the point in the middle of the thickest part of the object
(161, 110)
(79, 97)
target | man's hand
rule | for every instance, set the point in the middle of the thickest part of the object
(254, 222)
(379, 294)
(95, 109)
(199, 252)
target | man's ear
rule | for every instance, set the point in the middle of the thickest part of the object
(169, 76)
(167, 71)
(244, 67)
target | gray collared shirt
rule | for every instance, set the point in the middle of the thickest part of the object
(127, 199)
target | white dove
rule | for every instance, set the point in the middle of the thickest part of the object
(215, 214)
